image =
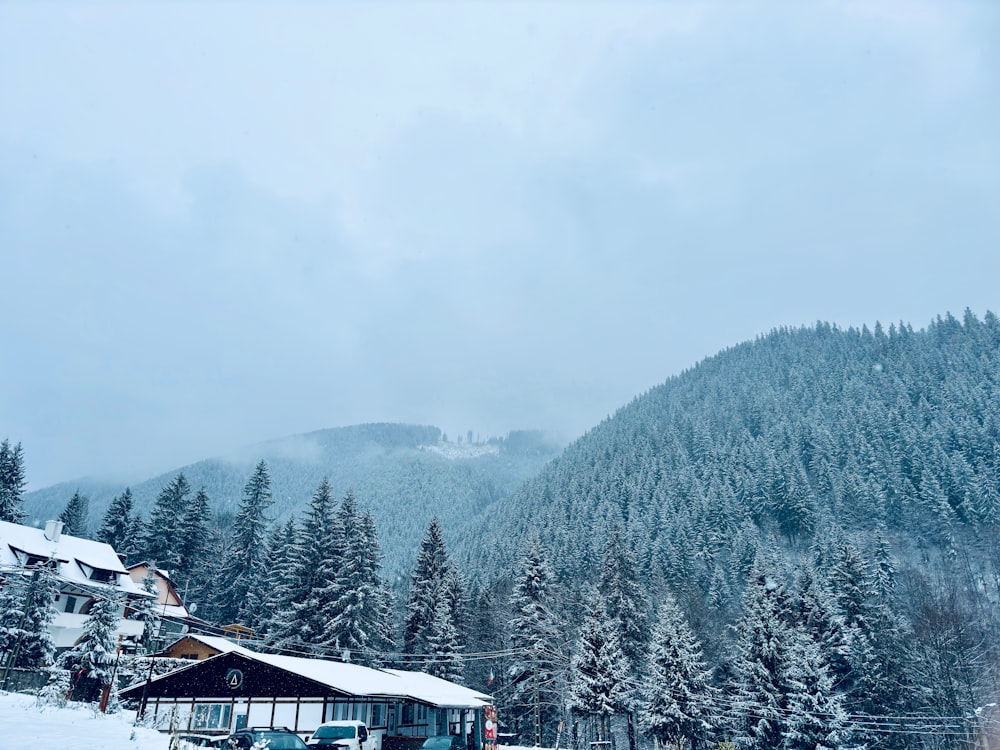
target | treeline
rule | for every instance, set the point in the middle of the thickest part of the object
(807, 443)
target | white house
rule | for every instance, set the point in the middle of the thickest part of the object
(238, 687)
(84, 569)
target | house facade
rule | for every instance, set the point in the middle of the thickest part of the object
(84, 570)
(175, 618)
(239, 687)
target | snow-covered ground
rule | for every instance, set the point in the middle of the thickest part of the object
(25, 725)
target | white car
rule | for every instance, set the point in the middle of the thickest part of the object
(342, 735)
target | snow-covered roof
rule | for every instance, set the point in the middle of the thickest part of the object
(78, 559)
(354, 679)
(434, 690)
(220, 644)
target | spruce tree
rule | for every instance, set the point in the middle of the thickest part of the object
(356, 594)
(75, 515)
(599, 669)
(36, 649)
(118, 524)
(314, 561)
(534, 698)
(91, 659)
(757, 686)
(626, 604)
(677, 702)
(12, 482)
(814, 712)
(280, 557)
(444, 649)
(193, 536)
(244, 567)
(162, 544)
(426, 584)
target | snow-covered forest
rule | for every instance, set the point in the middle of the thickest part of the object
(793, 544)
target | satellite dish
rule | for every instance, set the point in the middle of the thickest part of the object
(193, 607)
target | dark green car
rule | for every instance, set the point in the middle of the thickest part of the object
(278, 738)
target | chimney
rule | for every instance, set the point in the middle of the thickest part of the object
(53, 530)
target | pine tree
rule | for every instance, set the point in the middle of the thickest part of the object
(91, 659)
(193, 536)
(12, 482)
(301, 617)
(627, 605)
(677, 700)
(426, 585)
(162, 544)
(599, 669)
(74, 515)
(444, 648)
(36, 649)
(118, 524)
(534, 699)
(280, 570)
(761, 652)
(244, 568)
(815, 718)
(356, 595)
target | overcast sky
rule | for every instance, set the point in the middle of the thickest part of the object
(228, 222)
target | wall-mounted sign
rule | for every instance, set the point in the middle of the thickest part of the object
(234, 679)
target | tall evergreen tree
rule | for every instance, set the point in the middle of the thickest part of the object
(626, 605)
(75, 515)
(91, 659)
(193, 536)
(244, 567)
(162, 544)
(534, 696)
(757, 684)
(426, 584)
(12, 482)
(356, 594)
(118, 524)
(814, 713)
(27, 609)
(599, 669)
(278, 578)
(315, 560)
(444, 649)
(677, 702)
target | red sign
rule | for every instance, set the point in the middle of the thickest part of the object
(490, 725)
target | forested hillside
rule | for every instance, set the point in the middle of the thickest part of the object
(817, 485)
(789, 436)
(404, 474)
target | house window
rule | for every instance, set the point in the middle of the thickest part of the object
(211, 716)
(359, 711)
(70, 604)
(378, 715)
(340, 711)
(407, 713)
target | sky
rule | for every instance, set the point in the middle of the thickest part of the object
(224, 222)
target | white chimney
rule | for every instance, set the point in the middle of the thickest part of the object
(53, 529)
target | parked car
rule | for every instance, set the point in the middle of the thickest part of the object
(342, 735)
(201, 740)
(278, 738)
(444, 742)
